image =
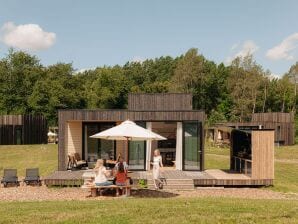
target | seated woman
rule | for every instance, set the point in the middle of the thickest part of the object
(121, 175)
(121, 160)
(101, 174)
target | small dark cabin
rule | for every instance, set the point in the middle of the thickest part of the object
(23, 129)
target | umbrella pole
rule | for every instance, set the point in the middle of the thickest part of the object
(127, 148)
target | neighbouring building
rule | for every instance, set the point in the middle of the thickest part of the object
(23, 129)
(283, 125)
(170, 115)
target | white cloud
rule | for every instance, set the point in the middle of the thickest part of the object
(137, 59)
(285, 49)
(83, 70)
(248, 47)
(274, 76)
(234, 46)
(26, 36)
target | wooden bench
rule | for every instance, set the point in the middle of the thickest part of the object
(94, 189)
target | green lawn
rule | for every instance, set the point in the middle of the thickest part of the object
(29, 156)
(287, 152)
(201, 210)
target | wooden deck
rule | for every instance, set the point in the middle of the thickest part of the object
(175, 177)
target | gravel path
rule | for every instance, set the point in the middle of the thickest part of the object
(28, 193)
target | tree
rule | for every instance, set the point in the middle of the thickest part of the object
(189, 76)
(293, 77)
(245, 83)
(19, 72)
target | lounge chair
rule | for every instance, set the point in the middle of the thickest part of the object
(32, 177)
(75, 161)
(79, 162)
(10, 177)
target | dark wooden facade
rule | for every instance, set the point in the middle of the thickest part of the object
(282, 123)
(65, 116)
(160, 102)
(276, 117)
(23, 129)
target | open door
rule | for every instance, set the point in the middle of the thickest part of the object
(192, 146)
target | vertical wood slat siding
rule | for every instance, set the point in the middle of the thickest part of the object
(34, 129)
(273, 121)
(286, 122)
(274, 117)
(11, 119)
(162, 101)
(262, 154)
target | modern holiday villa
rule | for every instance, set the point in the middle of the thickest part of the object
(172, 116)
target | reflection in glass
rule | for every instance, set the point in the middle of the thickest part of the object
(191, 146)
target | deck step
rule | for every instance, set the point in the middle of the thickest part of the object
(174, 181)
(174, 187)
(174, 184)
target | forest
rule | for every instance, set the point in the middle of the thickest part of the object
(226, 92)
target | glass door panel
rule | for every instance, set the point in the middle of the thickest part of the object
(191, 146)
(137, 155)
(91, 144)
(18, 135)
(97, 148)
(137, 152)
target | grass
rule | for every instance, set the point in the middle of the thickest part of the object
(286, 177)
(173, 210)
(286, 152)
(29, 156)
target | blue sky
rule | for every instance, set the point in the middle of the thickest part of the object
(96, 33)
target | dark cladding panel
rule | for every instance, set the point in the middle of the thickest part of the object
(159, 102)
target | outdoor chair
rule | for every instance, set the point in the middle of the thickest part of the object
(10, 177)
(32, 177)
(75, 161)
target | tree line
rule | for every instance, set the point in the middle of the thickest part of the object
(226, 93)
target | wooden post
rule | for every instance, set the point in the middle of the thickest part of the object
(126, 150)
(93, 192)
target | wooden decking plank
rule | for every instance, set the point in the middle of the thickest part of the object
(204, 178)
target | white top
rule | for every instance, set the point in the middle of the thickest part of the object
(100, 175)
(157, 160)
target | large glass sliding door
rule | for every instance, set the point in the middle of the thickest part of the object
(137, 152)
(97, 148)
(192, 145)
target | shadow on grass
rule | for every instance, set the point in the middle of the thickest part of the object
(146, 193)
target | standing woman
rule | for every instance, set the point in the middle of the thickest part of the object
(157, 163)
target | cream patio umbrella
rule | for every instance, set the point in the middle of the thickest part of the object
(129, 131)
